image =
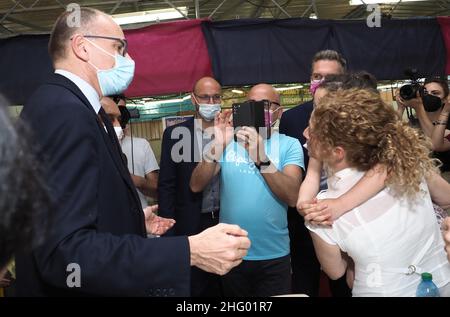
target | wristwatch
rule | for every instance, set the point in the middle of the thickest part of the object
(266, 163)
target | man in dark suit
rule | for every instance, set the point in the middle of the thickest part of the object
(305, 266)
(193, 212)
(98, 243)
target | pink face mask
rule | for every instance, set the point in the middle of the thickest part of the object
(268, 116)
(314, 85)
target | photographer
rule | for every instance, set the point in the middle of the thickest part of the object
(259, 178)
(428, 105)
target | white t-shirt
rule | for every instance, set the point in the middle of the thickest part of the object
(384, 236)
(143, 158)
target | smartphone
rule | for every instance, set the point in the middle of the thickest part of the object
(251, 114)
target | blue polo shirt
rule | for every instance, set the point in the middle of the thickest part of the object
(246, 199)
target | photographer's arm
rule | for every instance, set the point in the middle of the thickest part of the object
(202, 175)
(424, 120)
(416, 103)
(440, 143)
(208, 167)
(439, 190)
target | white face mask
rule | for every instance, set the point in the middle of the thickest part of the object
(119, 132)
(208, 111)
(117, 79)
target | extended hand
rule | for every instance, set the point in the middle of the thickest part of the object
(412, 103)
(154, 224)
(220, 248)
(223, 129)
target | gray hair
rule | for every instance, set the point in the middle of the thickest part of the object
(62, 31)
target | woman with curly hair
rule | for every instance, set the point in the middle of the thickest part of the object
(393, 236)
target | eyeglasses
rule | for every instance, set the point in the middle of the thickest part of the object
(207, 98)
(270, 103)
(123, 48)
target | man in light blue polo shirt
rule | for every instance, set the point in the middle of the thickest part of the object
(259, 179)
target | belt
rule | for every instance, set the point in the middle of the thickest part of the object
(212, 214)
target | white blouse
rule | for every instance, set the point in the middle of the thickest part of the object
(388, 238)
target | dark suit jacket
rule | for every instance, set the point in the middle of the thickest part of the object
(176, 200)
(98, 221)
(294, 121)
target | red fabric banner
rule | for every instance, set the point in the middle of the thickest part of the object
(444, 22)
(170, 58)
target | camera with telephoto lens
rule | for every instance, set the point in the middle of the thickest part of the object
(409, 91)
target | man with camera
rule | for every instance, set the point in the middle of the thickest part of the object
(260, 173)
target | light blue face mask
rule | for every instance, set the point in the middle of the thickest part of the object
(208, 111)
(116, 80)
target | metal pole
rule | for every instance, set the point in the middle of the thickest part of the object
(174, 7)
(197, 10)
(215, 10)
(9, 11)
(281, 8)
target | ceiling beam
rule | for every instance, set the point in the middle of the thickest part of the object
(27, 24)
(278, 13)
(281, 8)
(258, 9)
(62, 5)
(14, 1)
(313, 3)
(307, 11)
(113, 10)
(197, 9)
(57, 7)
(174, 7)
(357, 12)
(230, 9)
(217, 8)
(4, 29)
(11, 10)
(439, 12)
(441, 4)
(34, 3)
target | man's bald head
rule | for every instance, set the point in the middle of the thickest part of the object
(206, 91)
(263, 91)
(206, 83)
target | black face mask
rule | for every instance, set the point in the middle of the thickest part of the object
(431, 103)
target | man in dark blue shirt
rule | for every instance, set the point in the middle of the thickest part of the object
(305, 266)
